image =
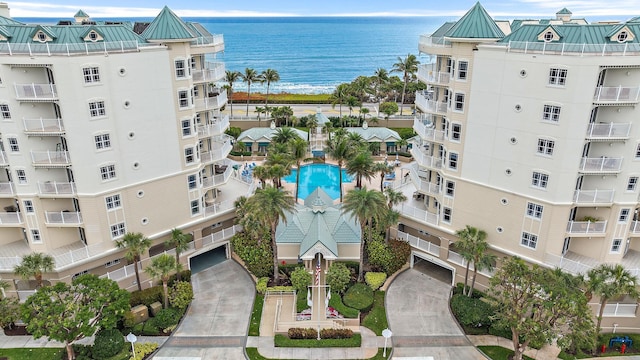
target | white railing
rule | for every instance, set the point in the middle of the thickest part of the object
(211, 73)
(213, 102)
(418, 243)
(593, 196)
(607, 131)
(428, 40)
(586, 227)
(424, 159)
(217, 208)
(426, 131)
(36, 91)
(635, 227)
(568, 265)
(43, 125)
(601, 164)
(217, 180)
(56, 188)
(3, 159)
(432, 106)
(73, 49)
(616, 309)
(217, 153)
(423, 185)
(9, 262)
(208, 40)
(573, 49)
(50, 158)
(10, 218)
(418, 214)
(63, 217)
(428, 74)
(216, 128)
(221, 235)
(6, 188)
(73, 256)
(616, 94)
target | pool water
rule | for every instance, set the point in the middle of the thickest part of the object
(313, 176)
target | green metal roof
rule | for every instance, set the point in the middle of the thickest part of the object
(475, 24)
(89, 29)
(442, 30)
(564, 11)
(9, 21)
(573, 33)
(198, 29)
(375, 134)
(45, 29)
(168, 26)
(81, 13)
(72, 34)
(264, 133)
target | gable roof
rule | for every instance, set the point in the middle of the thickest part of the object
(253, 134)
(475, 24)
(572, 33)
(564, 11)
(168, 26)
(375, 134)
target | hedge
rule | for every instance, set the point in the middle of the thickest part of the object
(284, 341)
(359, 296)
(375, 279)
(146, 296)
(336, 303)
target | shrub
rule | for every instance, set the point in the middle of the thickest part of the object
(375, 279)
(146, 296)
(166, 317)
(300, 279)
(185, 275)
(257, 256)
(359, 296)
(389, 257)
(280, 288)
(302, 333)
(234, 131)
(107, 343)
(261, 286)
(143, 349)
(181, 294)
(471, 312)
(400, 251)
(129, 320)
(336, 333)
(336, 303)
(338, 277)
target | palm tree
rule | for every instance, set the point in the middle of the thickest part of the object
(283, 135)
(351, 103)
(408, 67)
(180, 241)
(269, 76)
(250, 76)
(610, 281)
(161, 267)
(380, 77)
(360, 166)
(472, 242)
(339, 96)
(34, 265)
(135, 245)
(260, 110)
(394, 197)
(271, 205)
(366, 206)
(383, 169)
(231, 77)
(482, 260)
(363, 112)
(298, 153)
(340, 150)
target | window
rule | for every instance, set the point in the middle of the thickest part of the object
(186, 127)
(624, 215)
(28, 206)
(108, 172)
(91, 74)
(456, 132)
(13, 144)
(539, 180)
(189, 155)
(192, 61)
(557, 76)
(42, 37)
(113, 201)
(450, 188)
(77, 275)
(117, 230)
(548, 36)
(459, 102)
(195, 92)
(622, 36)
(192, 180)
(35, 236)
(183, 98)
(462, 70)
(195, 207)
(616, 244)
(111, 263)
(529, 240)
(545, 147)
(551, 113)
(534, 210)
(446, 215)
(632, 183)
(180, 68)
(638, 151)
(22, 176)
(4, 111)
(96, 109)
(102, 141)
(93, 36)
(453, 161)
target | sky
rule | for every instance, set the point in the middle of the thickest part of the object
(215, 8)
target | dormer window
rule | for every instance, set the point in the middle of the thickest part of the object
(93, 36)
(622, 36)
(548, 36)
(42, 37)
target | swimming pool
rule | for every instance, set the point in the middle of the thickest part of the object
(313, 176)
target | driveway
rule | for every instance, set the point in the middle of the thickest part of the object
(420, 320)
(216, 324)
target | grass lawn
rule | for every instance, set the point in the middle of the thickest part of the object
(376, 320)
(253, 354)
(29, 354)
(498, 352)
(256, 315)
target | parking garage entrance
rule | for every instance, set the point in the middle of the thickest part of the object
(208, 259)
(435, 268)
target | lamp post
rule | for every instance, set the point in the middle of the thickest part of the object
(386, 333)
(132, 339)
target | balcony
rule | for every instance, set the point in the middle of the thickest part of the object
(36, 92)
(10, 218)
(212, 102)
(428, 41)
(423, 185)
(207, 44)
(600, 165)
(428, 74)
(424, 159)
(616, 95)
(593, 197)
(424, 102)
(6, 189)
(59, 218)
(217, 128)
(586, 227)
(419, 243)
(417, 214)
(3, 159)
(217, 153)
(43, 127)
(635, 228)
(425, 129)
(50, 158)
(608, 132)
(212, 72)
(56, 189)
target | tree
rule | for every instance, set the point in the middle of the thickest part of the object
(383, 169)
(610, 281)
(161, 267)
(340, 150)
(283, 135)
(269, 76)
(250, 76)
(135, 245)
(380, 77)
(388, 109)
(260, 110)
(363, 112)
(394, 197)
(270, 205)
(9, 311)
(408, 67)
(300, 279)
(360, 166)
(34, 265)
(230, 77)
(339, 96)
(68, 313)
(180, 241)
(338, 277)
(298, 153)
(366, 206)
(472, 240)
(352, 102)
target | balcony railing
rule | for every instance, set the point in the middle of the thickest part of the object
(635, 227)
(86, 48)
(418, 214)
(617, 94)
(10, 218)
(428, 74)
(606, 49)
(50, 158)
(63, 217)
(422, 185)
(428, 40)
(216, 128)
(424, 159)
(6, 188)
(211, 103)
(616, 309)
(218, 152)
(568, 265)
(600, 165)
(36, 91)
(593, 196)
(419, 243)
(427, 132)
(218, 179)
(609, 131)
(428, 105)
(209, 40)
(586, 227)
(43, 126)
(3, 159)
(217, 208)
(211, 73)
(56, 188)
